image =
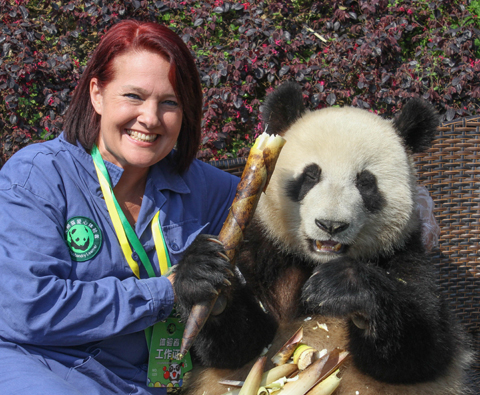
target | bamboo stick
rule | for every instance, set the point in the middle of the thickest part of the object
(256, 175)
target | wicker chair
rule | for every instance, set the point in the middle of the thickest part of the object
(450, 171)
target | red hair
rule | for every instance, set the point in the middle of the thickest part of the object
(82, 123)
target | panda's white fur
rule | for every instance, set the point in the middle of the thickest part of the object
(343, 141)
(377, 247)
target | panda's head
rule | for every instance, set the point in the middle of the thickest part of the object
(344, 182)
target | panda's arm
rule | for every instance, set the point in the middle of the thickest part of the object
(400, 329)
(236, 336)
(239, 333)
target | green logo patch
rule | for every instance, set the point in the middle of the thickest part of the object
(83, 237)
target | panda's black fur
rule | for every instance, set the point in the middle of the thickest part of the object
(364, 273)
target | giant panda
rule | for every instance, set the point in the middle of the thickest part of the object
(335, 243)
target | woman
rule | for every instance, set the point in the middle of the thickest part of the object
(76, 302)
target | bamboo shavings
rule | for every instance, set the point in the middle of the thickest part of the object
(318, 377)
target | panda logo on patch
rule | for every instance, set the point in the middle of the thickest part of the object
(79, 237)
(83, 238)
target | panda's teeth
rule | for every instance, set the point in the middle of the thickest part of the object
(328, 246)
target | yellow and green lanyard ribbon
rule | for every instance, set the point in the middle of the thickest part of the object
(127, 237)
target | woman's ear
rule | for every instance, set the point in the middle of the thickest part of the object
(96, 96)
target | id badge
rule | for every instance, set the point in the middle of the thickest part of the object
(164, 369)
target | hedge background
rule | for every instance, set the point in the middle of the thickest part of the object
(372, 54)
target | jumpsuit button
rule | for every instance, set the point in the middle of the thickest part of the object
(174, 246)
(134, 256)
(149, 248)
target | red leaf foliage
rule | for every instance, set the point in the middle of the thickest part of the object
(373, 54)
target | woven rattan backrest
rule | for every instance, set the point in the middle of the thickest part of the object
(450, 170)
(233, 166)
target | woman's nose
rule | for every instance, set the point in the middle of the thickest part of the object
(149, 115)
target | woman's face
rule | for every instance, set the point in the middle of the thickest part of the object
(140, 114)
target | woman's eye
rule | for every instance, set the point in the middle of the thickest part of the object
(132, 96)
(171, 103)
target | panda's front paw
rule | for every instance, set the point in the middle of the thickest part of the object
(203, 272)
(338, 288)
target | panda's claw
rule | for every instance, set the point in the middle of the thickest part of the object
(227, 283)
(215, 241)
(221, 254)
(360, 321)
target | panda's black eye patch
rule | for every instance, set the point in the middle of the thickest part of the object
(373, 199)
(298, 188)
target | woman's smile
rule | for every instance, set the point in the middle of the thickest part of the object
(143, 137)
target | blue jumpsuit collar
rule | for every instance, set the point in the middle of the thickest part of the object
(163, 174)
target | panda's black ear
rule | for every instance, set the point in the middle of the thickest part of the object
(282, 108)
(417, 124)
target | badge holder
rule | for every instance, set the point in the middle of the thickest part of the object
(164, 369)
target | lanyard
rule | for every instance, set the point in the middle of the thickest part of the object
(125, 233)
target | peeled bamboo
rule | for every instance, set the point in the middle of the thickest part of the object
(287, 350)
(252, 382)
(304, 356)
(326, 386)
(278, 372)
(268, 377)
(306, 379)
(315, 373)
(258, 170)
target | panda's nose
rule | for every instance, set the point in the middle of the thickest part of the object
(331, 227)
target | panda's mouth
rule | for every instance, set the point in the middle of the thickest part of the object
(327, 246)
